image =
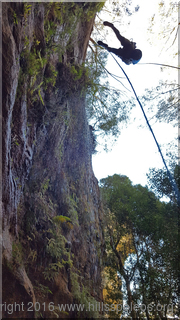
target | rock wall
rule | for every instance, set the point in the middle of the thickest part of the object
(53, 242)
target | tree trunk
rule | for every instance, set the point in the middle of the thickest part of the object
(124, 275)
(130, 299)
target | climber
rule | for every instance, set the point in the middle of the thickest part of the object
(128, 54)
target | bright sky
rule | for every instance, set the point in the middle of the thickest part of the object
(135, 151)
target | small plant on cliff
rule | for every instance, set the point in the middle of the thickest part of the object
(45, 185)
(27, 10)
(63, 220)
(15, 18)
(50, 76)
(58, 14)
(72, 210)
(32, 64)
(81, 295)
(17, 253)
(56, 248)
(76, 72)
(41, 291)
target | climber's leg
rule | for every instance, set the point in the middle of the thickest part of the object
(102, 44)
(123, 40)
(113, 50)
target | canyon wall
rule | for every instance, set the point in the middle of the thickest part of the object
(53, 243)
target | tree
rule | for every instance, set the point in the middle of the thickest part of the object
(159, 182)
(164, 27)
(165, 97)
(138, 243)
(166, 21)
(112, 289)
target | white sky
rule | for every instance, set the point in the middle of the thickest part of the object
(135, 151)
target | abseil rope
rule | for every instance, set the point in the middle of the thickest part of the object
(172, 181)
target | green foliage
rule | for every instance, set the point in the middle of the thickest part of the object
(36, 60)
(40, 97)
(103, 103)
(33, 65)
(140, 243)
(42, 291)
(56, 14)
(32, 256)
(112, 290)
(165, 97)
(75, 285)
(56, 249)
(60, 220)
(61, 14)
(13, 15)
(76, 72)
(82, 296)
(93, 8)
(45, 185)
(167, 36)
(50, 76)
(54, 242)
(52, 271)
(15, 18)
(43, 234)
(72, 211)
(27, 10)
(17, 253)
(106, 106)
(158, 181)
(130, 204)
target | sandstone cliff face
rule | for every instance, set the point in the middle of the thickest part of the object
(52, 214)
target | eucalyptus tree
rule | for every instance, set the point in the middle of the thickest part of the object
(137, 245)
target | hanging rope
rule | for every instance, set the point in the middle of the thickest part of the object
(172, 181)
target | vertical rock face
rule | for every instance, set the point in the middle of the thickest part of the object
(52, 214)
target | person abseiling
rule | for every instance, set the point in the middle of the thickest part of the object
(128, 54)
